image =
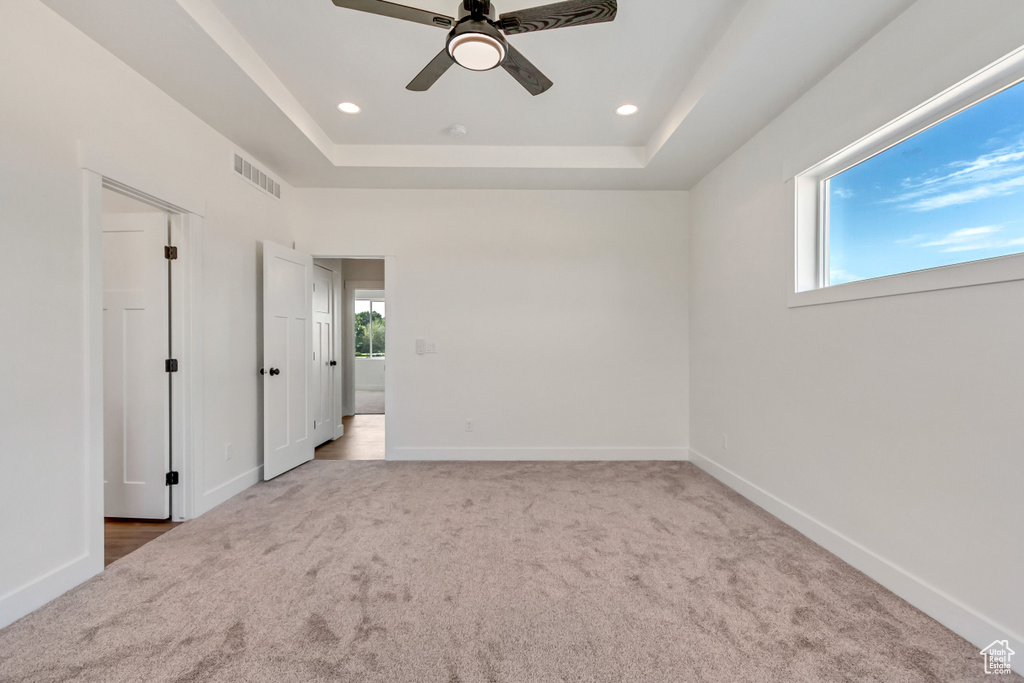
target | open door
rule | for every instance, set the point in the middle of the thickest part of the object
(287, 349)
(136, 392)
(323, 355)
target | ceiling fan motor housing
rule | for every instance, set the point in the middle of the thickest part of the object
(477, 45)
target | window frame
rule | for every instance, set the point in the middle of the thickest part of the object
(810, 202)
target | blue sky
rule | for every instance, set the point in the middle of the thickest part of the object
(952, 193)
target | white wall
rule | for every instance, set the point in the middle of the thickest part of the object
(888, 429)
(364, 269)
(370, 374)
(67, 101)
(535, 313)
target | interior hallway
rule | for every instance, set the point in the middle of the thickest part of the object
(363, 440)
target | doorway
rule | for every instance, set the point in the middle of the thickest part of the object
(361, 344)
(139, 293)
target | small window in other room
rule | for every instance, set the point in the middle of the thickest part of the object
(370, 337)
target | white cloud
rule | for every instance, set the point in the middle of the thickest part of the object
(964, 236)
(843, 193)
(973, 239)
(998, 173)
(838, 276)
(981, 191)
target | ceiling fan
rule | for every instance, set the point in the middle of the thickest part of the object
(475, 40)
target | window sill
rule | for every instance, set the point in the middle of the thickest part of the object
(989, 271)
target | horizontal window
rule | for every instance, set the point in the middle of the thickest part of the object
(952, 193)
(941, 186)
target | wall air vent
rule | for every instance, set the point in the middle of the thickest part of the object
(257, 177)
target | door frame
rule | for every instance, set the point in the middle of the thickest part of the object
(186, 317)
(391, 424)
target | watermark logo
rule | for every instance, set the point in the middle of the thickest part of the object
(997, 657)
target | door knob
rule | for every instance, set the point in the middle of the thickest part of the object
(333, 363)
(274, 371)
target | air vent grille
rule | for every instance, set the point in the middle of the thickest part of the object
(257, 177)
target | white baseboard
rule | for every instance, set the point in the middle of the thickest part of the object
(35, 594)
(576, 454)
(229, 489)
(971, 625)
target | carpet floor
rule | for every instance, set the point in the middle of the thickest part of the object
(456, 573)
(369, 402)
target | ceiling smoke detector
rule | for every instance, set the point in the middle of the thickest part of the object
(457, 131)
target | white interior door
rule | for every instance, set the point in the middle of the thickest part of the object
(287, 350)
(136, 392)
(323, 355)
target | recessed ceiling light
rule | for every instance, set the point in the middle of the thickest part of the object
(349, 108)
(627, 110)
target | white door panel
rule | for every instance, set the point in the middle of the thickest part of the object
(296, 376)
(323, 355)
(136, 402)
(287, 349)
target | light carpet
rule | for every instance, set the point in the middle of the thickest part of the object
(523, 572)
(369, 402)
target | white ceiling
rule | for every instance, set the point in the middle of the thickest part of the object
(707, 75)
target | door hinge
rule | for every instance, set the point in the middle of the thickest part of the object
(172, 479)
(171, 365)
(170, 253)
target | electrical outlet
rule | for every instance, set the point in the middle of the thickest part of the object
(229, 451)
(421, 346)
(431, 347)
(469, 425)
(725, 442)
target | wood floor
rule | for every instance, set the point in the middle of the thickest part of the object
(122, 536)
(363, 440)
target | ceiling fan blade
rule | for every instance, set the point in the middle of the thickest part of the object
(526, 73)
(431, 72)
(568, 13)
(390, 9)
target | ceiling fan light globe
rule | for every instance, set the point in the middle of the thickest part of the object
(476, 51)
